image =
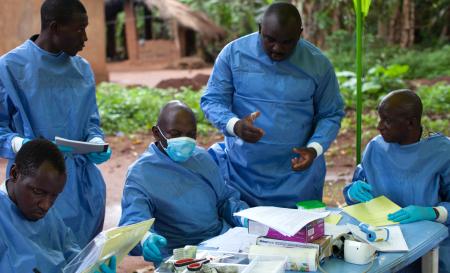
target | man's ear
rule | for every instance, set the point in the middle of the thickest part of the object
(53, 27)
(155, 133)
(413, 123)
(13, 172)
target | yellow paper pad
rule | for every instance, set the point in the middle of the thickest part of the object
(117, 241)
(374, 212)
(333, 219)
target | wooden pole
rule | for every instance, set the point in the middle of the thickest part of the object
(359, 33)
(131, 32)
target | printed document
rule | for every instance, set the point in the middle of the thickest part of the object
(234, 240)
(286, 221)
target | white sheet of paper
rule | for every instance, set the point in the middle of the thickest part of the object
(395, 243)
(336, 230)
(286, 221)
(234, 240)
(82, 147)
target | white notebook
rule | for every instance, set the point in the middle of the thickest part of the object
(82, 147)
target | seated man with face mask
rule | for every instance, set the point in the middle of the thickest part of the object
(180, 185)
(409, 168)
(33, 237)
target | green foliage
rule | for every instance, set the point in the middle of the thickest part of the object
(436, 112)
(425, 63)
(130, 110)
(238, 17)
(378, 82)
(435, 99)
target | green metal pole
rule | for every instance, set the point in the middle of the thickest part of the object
(359, 33)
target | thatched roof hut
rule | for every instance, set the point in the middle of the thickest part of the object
(188, 18)
(188, 30)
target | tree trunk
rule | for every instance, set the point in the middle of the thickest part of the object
(407, 31)
(336, 19)
(445, 34)
(393, 22)
(412, 24)
(382, 24)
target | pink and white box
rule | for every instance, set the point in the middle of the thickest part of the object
(312, 231)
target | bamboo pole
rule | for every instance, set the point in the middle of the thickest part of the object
(359, 33)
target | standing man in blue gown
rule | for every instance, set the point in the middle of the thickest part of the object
(33, 238)
(276, 98)
(409, 168)
(46, 90)
(180, 185)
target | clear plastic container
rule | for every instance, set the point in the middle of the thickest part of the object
(267, 264)
(229, 262)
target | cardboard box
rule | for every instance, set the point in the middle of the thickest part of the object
(307, 234)
(323, 245)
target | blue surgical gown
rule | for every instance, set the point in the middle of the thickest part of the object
(414, 174)
(300, 103)
(47, 95)
(189, 200)
(47, 244)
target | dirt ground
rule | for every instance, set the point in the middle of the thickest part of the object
(153, 78)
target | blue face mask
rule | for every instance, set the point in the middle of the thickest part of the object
(179, 149)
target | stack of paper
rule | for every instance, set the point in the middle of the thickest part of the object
(375, 212)
(286, 221)
(234, 240)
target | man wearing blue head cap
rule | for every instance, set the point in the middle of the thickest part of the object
(33, 237)
(46, 90)
(180, 185)
(276, 98)
(410, 168)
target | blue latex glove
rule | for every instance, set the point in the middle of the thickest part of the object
(108, 269)
(151, 247)
(412, 214)
(25, 140)
(245, 222)
(63, 149)
(360, 191)
(99, 158)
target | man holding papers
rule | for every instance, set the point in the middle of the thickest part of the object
(179, 185)
(409, 168)
(46, 90)
(33, 238)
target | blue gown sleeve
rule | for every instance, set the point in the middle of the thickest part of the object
(357, 175)
(71, 247)
(136, 207)
(444, 191)
(329, 110)
(217, 100)
(229, 203)
(93, 126)
(6, 131)
(5, 258)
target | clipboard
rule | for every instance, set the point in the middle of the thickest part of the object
(117, 241)
(82, 147)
